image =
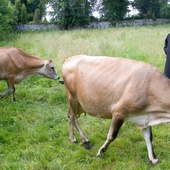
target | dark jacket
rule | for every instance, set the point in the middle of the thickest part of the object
(167, 52)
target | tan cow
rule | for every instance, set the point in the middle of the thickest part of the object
(16, 65)
(119, 89)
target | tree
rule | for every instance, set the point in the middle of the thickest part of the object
(24, 2)
(7, 18)
(70, 13)
(31, 6)
(165, 9)
(114, 9)
(18, 9)
(165, 13)
(23, 14)
(149, 8)
(37, 16)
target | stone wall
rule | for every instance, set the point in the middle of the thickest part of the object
(142, 22)
(101, 24)
(32, 27)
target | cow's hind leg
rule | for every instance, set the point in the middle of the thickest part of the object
(113, 131)
(148, 139)
(85, 141)
(73, 122)
(11, 89)
(4, 93)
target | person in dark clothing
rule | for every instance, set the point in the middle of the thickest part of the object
(167, 52)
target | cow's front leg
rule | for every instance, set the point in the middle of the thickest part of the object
(113, 131)
(148, 139)
(13, 94)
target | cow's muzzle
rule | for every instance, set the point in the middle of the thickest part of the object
(61, 81)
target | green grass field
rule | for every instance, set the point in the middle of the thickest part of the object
(34, 129)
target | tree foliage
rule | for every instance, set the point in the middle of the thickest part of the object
(28, 8)
(70, 13)
(114, 9)
(33, 5)
(165, 12)
(37, 17)
(7, 18)
(18, 9)
(23, 14)
(150, 8)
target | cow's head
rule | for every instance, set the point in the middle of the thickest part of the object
(48, 70)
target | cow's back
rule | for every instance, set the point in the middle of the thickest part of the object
(104, 84)
(5, 62)
(11, 59)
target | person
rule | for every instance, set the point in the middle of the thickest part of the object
(167, 52)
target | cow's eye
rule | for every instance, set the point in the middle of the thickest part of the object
(52, 68)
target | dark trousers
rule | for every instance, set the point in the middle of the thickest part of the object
(167, 53)
(167, 67)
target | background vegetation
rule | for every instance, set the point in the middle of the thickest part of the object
(71, 13)
(34, 129)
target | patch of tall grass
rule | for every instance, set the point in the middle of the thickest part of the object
(34, 129)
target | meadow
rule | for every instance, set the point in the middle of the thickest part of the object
(34, 129)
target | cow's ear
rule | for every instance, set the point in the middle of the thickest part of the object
(50, 60)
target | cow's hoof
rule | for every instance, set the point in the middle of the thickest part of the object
(86, 145)
(100, 152)
(155, 161)
(75, 142)
(2, 96)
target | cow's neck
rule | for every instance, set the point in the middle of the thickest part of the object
(35, 63)
(32, 65)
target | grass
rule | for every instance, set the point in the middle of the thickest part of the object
(34, 129)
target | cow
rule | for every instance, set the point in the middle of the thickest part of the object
(16, 65)
(119, 89)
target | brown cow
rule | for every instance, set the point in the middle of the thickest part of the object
(16, 65)
(119, 89)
